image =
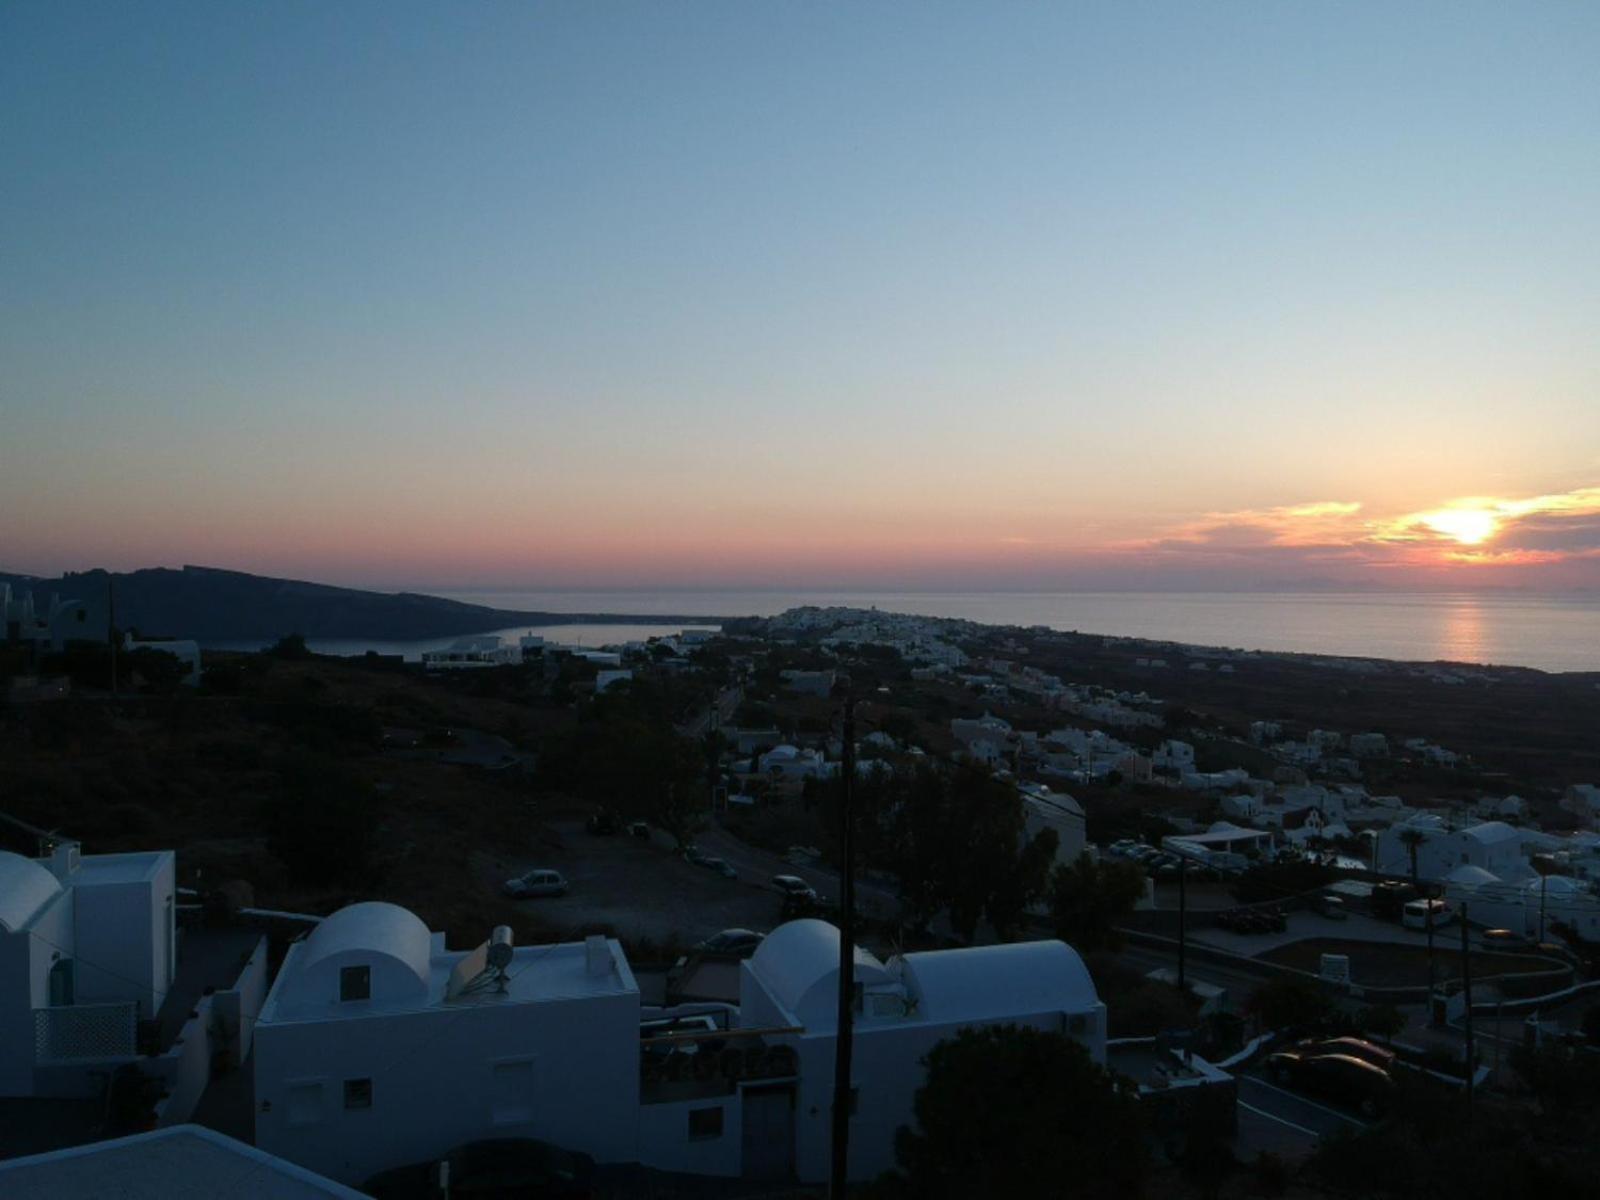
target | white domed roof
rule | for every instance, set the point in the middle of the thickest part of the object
(799, 964)
(1555, 885)
(1471, 876)
(389, 940)
(25, 888)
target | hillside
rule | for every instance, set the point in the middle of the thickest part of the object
(212, 605)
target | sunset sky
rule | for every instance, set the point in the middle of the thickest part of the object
(1007, 295)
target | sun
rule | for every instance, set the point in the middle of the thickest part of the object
(1469, 526)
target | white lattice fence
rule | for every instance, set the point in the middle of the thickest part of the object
(79, 1031)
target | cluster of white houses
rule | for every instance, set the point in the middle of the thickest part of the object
(377, 1045)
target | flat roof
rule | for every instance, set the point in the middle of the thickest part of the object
(134, 867)
(537, 975)
(183, 1162)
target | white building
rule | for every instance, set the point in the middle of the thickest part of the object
(469, 653)
(1369, 745)
(1174, 754)
(903, 1009)
(1044, 809)
(186, 652)
(377, 1046)
(1493, 845)
(791, 762)
(87, 950)
(1583, 799)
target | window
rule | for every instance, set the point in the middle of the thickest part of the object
(355, 983)
(511, 1092)
(358, 1093)
(705, 1124)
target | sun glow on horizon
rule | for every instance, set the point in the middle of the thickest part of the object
(1469, 526)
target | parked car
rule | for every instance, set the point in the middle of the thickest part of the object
(602, 821)
(1353, 1046)
(639, 829)
(736, 943)
(695, 855)
(720, 865)
(503, 1167)
(1328, 906)
(1506, 939)
(541, 881)
(1342, 1078)
(793, 885)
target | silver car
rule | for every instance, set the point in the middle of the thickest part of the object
(538, 882)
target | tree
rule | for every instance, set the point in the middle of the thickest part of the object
(1288, 1002)
(1006, 1110)
(321, 822)
(1412, 840)
(290, 646)
(1087, 899)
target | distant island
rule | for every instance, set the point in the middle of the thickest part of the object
(212, 605)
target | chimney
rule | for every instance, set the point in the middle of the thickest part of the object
(597, 954)
(64, 861)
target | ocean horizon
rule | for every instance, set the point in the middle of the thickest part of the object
(1548, 632)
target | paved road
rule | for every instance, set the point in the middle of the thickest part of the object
(727, 704)
(1282, 1121)
(759, 866)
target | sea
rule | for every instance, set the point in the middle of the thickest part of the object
(1548, 632)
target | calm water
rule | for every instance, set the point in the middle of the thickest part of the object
(566, 635)
(1554, 633)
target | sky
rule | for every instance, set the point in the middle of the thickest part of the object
(901, 295)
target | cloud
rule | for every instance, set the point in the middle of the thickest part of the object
(1320, 522)
(1475, 533)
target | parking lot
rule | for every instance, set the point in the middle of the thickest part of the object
(641, 889)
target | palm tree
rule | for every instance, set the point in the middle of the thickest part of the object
(1412, 839)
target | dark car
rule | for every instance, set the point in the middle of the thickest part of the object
(720, 865)
(602, 822)
(1339, 1077)
(1353, 1046)
(732, 943)
(504, 1167)
(793, 885)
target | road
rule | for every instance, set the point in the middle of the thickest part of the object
(1285, 1123)
(759, 866)
(727, 703)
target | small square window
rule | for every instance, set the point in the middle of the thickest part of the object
(705, 1123)
(355, 983)
(358, 1093)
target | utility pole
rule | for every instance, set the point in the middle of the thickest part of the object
(1183, 921)
(1466, 992)
(847, 958)
(111, 628)
(1428, 918)
(1544, 880)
